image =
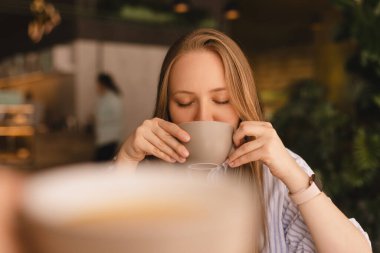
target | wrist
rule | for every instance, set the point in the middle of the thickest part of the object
(305, 195)
(122, 158)
(296, 179)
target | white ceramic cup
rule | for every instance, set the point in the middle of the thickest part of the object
(210, 142)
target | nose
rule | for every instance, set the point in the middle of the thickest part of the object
(204, 113)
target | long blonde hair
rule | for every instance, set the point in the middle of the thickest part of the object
(240, 85)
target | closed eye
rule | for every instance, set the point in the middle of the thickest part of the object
(184, 104)
(222, 102)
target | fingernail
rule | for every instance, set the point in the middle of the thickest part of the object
(182, 160)
(231, 164)
(184, 152)
(186, 137)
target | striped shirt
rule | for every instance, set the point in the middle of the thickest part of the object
(287, 231)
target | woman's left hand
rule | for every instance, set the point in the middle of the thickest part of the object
(264, 145)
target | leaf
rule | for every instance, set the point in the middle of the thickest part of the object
(366, 151)
(376, 99)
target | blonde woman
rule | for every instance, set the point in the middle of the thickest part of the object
(206, 77)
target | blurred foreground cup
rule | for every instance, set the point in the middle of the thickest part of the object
(87, 210)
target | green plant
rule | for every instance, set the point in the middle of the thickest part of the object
(341, 144)
(311, 126)
(362, 22)
(154, 13)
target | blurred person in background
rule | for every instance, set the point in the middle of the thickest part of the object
(38, 115)
(206, 77)
(108, 118)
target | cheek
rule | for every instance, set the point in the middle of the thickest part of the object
(228, 115)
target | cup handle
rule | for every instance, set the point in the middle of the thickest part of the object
(219, 169)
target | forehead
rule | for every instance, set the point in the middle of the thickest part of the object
(195, 70)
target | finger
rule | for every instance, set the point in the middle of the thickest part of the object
(264, 124)
(163, 147)
(153, 150)
(172, 142)
(248, 128)
(174, 130)
(246, 148)
(249, 157)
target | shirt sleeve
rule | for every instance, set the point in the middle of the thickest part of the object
(297, 235)
(109, 111)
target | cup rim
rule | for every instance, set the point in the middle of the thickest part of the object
(193, 166)
(197, 122)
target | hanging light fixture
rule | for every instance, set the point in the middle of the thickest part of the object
(231, 11)
(46, 18)
(181, 6)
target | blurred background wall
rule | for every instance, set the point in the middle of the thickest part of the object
(121, 36)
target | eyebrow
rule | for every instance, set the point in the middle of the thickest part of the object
(189, 92)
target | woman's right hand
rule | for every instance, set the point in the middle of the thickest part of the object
(155, 137)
